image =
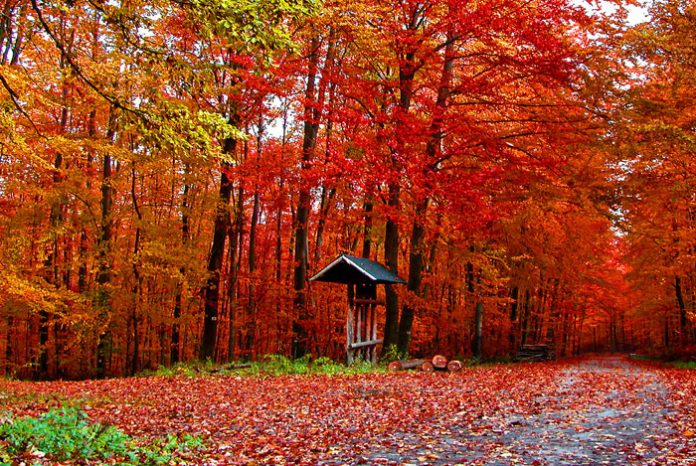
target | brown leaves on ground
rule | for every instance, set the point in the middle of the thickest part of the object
(334, 419)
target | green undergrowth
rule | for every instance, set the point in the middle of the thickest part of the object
(65, 434)
(642, 357)
(269, 365)
(684, 364)
(281, 365)
(670, 360)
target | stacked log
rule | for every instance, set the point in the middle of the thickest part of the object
(405, 365)
(436, 363)
(534, 353)
(454, 366)
(440, 362)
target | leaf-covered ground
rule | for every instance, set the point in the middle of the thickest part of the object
(593, 411)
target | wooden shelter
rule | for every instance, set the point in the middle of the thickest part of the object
(362, 277)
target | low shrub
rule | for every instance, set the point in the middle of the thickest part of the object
(65, 434)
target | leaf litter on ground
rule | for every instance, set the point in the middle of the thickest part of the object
(576, 412)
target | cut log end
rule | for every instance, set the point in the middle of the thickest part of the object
(454, 366)
(395, 366)
(439, 361)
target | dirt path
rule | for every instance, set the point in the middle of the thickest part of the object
(601, 411)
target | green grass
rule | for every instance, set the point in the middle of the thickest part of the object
(65, 434)
(642, 357)
(269, 365)
(684, 364)
(281, 365)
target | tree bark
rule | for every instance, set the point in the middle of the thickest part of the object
(514, 305)
(417, 246)
(175, 353)
(368, 207)
(477, 346)
(251, 260)
(683, 318)
(415, 277)
(137, 287)
(309, 142)
(217, 250)
(391, 260)
(104, 256)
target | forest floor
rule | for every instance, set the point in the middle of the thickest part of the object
(600, 410)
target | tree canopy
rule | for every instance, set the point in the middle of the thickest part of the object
(171, 173)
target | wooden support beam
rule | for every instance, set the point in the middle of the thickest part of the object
(373, 325)
(364, 344)
(349, 335)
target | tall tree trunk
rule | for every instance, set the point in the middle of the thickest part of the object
(51, 274)
(327, 194)
(368, 207)
(311, 127)
(217, 250)
(175, 352)
(9, 348)
(82, 268)
(514, 305)
(477, 346)
(415, 277)
(683, 318)
(255, 212)
(104, 256)
(417, 248)
(391, 260)
(525, 318)
(137, 285)
(407, 72)
(391, 233)
(554, 316)
(234, 256)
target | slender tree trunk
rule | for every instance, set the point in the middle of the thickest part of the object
(236, 238)
(415, 277)
(50, 270)
(104, 257)
(514, 305)
(391, 259)
(9, 353)
(391, 234)
(555, 315)
(255, 212)
(417, 247)
(217, 250)
(407, 72)
(311, 126)
(477, 346)
(683, 318)
(368, 207)
(12, 33)
(82, 268)
(137, 286)
(175, 354)
(525, 317)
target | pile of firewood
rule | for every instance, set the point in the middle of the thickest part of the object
(534, 353)
(437, 363)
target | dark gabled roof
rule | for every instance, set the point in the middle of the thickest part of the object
(351, 269)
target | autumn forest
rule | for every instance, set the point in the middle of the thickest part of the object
(172, 173)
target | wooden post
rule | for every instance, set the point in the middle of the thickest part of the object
(361, 324)
(349, 335)
(373, 324)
